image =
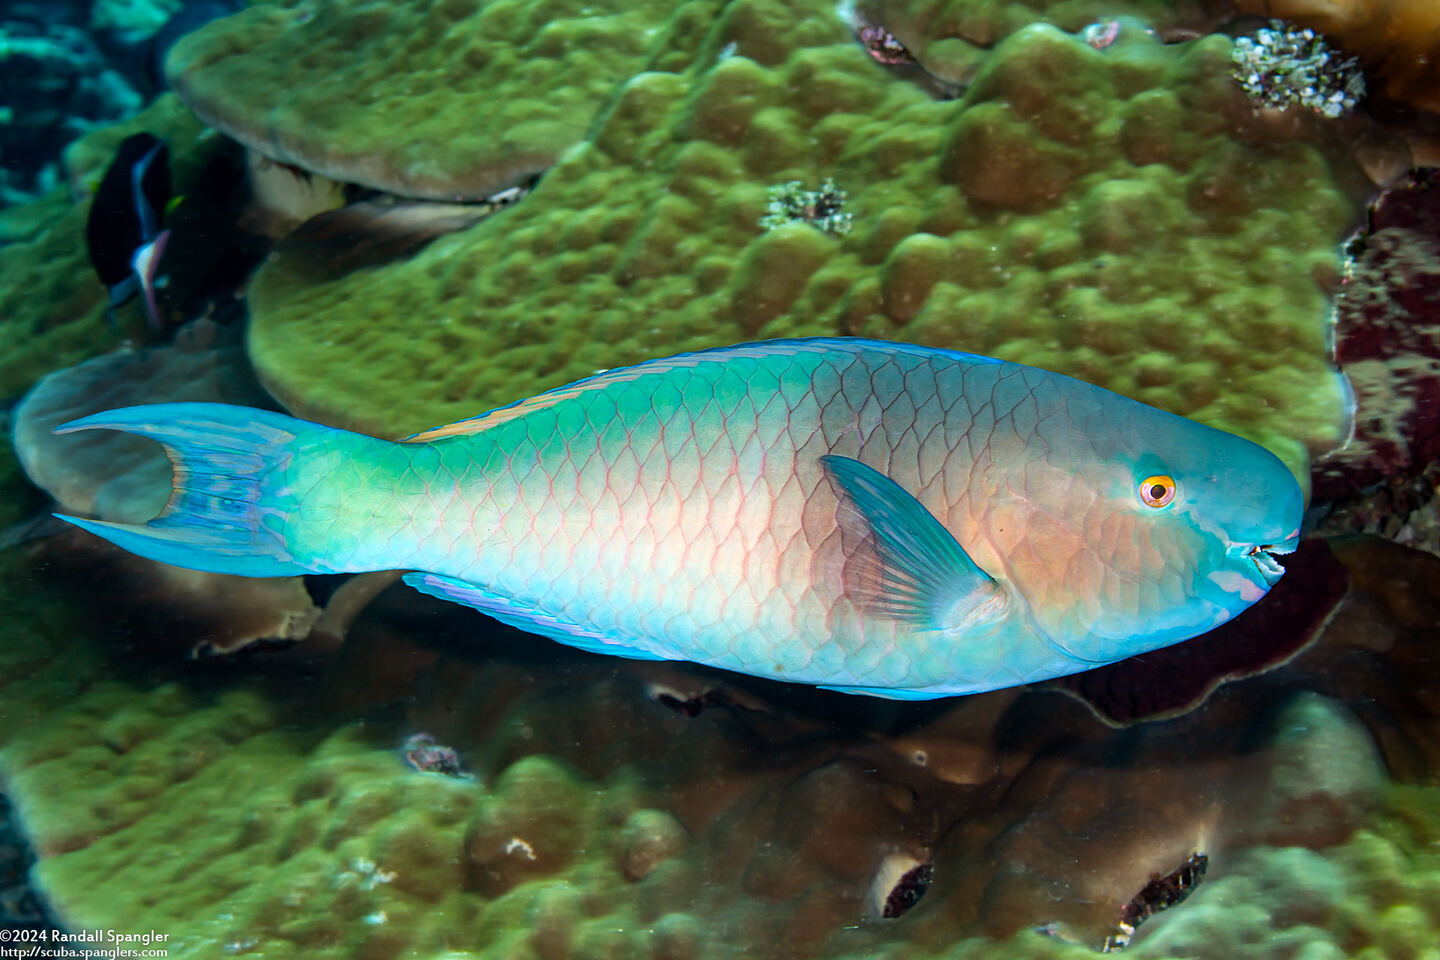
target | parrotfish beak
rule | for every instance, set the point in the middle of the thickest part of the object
(1270, 568)
(1263, 556)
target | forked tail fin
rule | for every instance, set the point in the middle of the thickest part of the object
(233, 487)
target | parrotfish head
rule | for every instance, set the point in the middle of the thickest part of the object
(1172, 528)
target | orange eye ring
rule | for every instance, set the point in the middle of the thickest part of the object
(1157, 491)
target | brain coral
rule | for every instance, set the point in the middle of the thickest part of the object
(444, 100)
(1120, 215)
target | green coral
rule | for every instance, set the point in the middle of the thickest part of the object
(18, 499)
(450, 100)
(51, 304)
(952, 39)
(247, 814)
(1110, 214)
(225, 820)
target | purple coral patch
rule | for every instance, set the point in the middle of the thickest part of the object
(1388, 341)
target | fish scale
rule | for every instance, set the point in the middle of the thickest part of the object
(874, 517)
(687, 503)
(700, 451)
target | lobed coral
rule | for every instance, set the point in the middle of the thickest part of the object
(1117, 214)
(951, 39)
(453, 100)
(269, 814)
(51, 303)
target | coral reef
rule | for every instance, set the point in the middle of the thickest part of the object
(51, 303)
(1117, 214)
(1060, 183)
(268, 812)
(453, 108)
(951, 39)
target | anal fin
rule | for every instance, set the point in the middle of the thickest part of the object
(886, 693)
(523, 616)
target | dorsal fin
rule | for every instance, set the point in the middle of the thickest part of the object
(549, 398)
(764, 348)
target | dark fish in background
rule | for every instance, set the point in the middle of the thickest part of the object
(124, 232)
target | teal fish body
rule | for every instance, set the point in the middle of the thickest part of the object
(873, 517)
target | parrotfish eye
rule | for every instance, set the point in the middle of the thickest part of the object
(1157, 491)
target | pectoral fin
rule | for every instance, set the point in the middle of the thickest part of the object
(901, 562)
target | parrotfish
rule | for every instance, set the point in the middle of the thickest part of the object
(124, 231)
(877, 518)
